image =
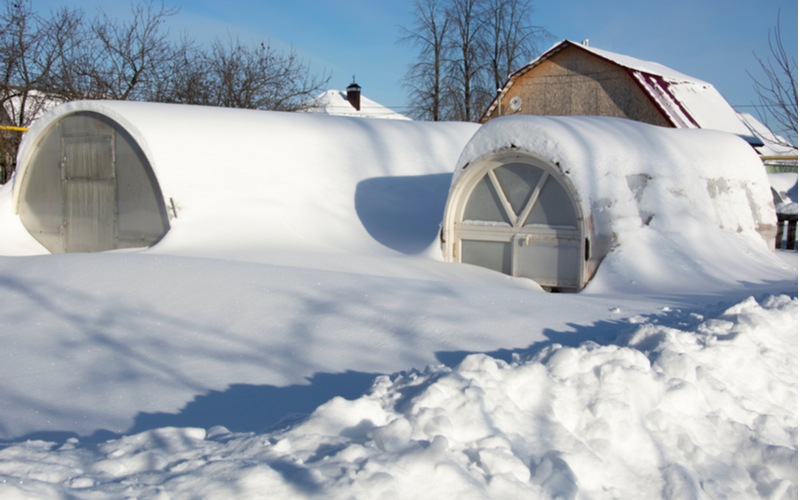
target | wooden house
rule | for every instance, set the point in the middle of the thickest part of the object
(573, 79)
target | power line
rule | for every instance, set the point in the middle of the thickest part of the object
(756, 105)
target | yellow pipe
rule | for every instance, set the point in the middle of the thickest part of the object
(779, 157)
(18, 129)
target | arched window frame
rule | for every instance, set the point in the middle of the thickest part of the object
(453, 229)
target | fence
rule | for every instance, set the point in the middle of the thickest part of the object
(790, 221)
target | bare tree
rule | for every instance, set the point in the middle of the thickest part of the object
(29, 54)
(259, 77)
(466, 50)
(66, 81)
(511, 38)
(425, 79)
(466, 67)
(777, 92)
(189, 82)
(128, 59)
(44, 61)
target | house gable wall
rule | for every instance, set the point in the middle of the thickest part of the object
(574, 82)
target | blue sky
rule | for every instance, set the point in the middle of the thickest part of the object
(713, 40)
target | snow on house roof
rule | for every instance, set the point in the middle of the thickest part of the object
(686, 101)
(24, 108)
(774, 145)
(334, 102)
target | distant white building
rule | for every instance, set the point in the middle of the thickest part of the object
(21, 109)
(774, 145)
(349, 102)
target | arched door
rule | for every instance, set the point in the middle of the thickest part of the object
(88, 187)
(518, 215)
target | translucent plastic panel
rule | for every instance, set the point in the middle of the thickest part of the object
(40, 208)
(85, 123)
(89, 187)
(89, 157)
(89, 216)
(484, 204)
(548, 264)
(494, 255)
(141, 214)
(554, 207)
(518, 181)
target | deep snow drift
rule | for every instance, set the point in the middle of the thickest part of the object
(236, 366)
(679, 406)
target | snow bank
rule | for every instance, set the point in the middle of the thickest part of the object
(680, 406)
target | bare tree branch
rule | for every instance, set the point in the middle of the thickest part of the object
(129, 58)
(64, 58)
(466, 67)
(258, 77)
(425, 79)
(777, 91)
(465, 51)
(511, 37)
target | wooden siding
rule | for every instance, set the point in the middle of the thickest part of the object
(574, 82)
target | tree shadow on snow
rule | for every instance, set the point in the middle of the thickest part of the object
(239, 408)
(403, 213)
(256, 408)
(614, 332)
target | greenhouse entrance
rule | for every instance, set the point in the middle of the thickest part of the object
(515, 214)
(88, 187)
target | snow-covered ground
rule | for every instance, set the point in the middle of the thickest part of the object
(344, 359)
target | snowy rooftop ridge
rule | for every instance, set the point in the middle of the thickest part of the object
(334, 102)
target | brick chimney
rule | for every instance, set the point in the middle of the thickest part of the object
(354, 95)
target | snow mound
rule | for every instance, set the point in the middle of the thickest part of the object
(630, 174)
(689, 207)
(242, 183)
(679, 406)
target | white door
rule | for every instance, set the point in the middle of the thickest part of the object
(519, 220)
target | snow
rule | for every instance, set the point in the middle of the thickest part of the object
(774, 145)
(297, 335)
(650, 67)
(709, 109)
(678, 405)
(25, 109)
(683, 94)
(785, 185)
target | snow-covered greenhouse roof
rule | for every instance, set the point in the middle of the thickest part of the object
(685, 101)
(267, 180)
(624, 179)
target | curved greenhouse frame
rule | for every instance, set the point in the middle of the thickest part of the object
(516, 213)
(89, 187)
